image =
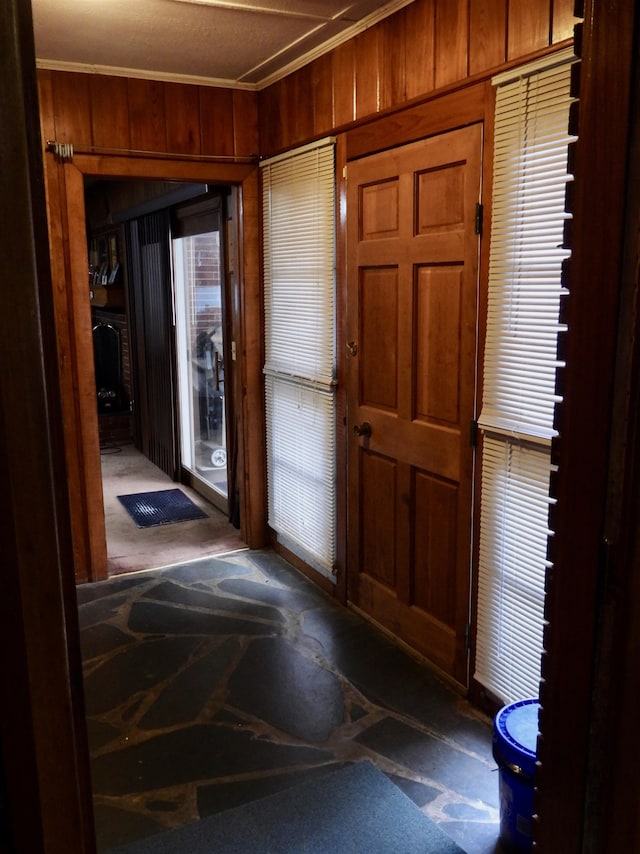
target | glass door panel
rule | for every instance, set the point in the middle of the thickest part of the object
(198, 289)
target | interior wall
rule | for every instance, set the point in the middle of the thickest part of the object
(45, 789)
(424, 70)
(192, 133)
(130, 116)
(425, 48)
(428, 47)
(592, 590)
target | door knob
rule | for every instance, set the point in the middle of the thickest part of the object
(363, 429)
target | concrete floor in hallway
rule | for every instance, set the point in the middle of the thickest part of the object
(214, 682)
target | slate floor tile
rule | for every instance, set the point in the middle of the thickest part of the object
(219, 681)
(432, 758)
(167, 591)
(193, 753)
(101, 639)
(188, 692)
(151, 618)
(289, 691)
(135, 669)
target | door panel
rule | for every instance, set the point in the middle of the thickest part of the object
(412, 295)
(379, 334)
(434, 545)
(378, 479)
(437, 324)
(153, 352)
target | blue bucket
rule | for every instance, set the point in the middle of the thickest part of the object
(515, 733)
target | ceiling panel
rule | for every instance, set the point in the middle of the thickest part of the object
(228, 42)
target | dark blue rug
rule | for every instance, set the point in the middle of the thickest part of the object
(356, 810)
(160, 508)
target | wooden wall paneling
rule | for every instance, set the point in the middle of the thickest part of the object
(182, 118)
(216, 121)
(287, 111)
(109, 111)
(488, 34)
(562, 20)
(57, 230)
(579, 517)
(445, 42)
(72, 107)
(57, 224)
(72, 112)
(44, 763)
(246, 137)
(147, 124)
(157, 169)
(452, 41)
(367, 72)
(270, 119)
(253, 473)
(529, 27)
(322, 90)
(344, 83)
(45, 106)
(392, 56)
(420, 23)
(615, 750)
(301, 104)
(458, 108)
(63, 311)
(73, 328)
(88, 450)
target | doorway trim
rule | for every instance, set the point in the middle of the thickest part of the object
(67, 232)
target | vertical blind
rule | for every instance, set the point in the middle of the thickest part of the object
(519, 386)
(298, 206)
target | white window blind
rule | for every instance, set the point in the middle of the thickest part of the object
(299, 280)
(519, 386)
(513, 545)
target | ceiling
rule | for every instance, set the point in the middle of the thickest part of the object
(239, 43)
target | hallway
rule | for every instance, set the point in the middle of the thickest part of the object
(126, 470)
(215, 682)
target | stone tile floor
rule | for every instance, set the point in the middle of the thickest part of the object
(215, 682)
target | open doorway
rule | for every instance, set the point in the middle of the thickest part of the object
(158, 283)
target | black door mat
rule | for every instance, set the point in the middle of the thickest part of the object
(160, 508)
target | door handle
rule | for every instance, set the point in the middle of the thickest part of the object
(363, 430)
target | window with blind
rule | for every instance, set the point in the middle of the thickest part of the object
(519, 388)
(298, 198)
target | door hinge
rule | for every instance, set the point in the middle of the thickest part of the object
(473, 433)
(479, 217)
(344, 172)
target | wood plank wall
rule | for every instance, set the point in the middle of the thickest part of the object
(177, 124)
(427, 46)
(430, 46)
(126, 114)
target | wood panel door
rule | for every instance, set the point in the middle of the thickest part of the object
(153, 354)
(411, 345)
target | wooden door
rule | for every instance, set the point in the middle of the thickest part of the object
(153, 340)
(411, 345)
